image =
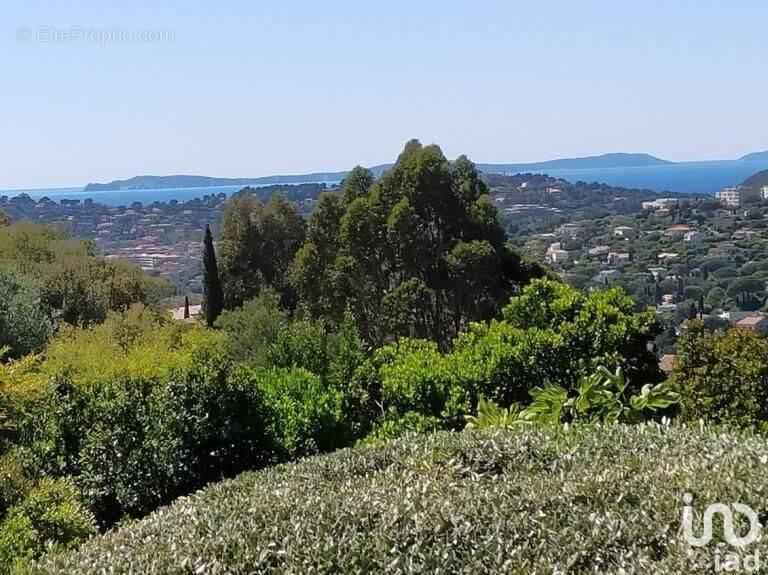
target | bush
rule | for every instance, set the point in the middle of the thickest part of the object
(722, 376)
(253, 328)
(134, 442)
(25, 322)
(51, 512)
(305, 416)
(575, 499)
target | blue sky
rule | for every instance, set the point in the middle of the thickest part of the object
(249, 88)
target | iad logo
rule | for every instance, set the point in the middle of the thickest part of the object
(731, 562)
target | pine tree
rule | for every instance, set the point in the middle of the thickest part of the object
(213, 296)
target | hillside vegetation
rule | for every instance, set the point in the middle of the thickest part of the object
(539, 500)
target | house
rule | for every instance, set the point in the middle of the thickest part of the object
(568, 230)
(661, 204)
(667, 298)
(666, 256)
(605, 277)
(554, 190)
(744, 234)
(755, 323)
(616, 258)
(666, 307)
(624, 232)
(599, 251)
(659, 272)
(735, 316)
(667, 363)
(764, 192)
(678, 230)
(693, 237)
(194, 312)
(556, 253)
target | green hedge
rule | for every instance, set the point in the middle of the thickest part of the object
(562, 499)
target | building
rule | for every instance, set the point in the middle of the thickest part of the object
(606, 277)
(556, 253)
(693, 237)
(568, 230)
(624, 232)
(616, 258)
(744, 234)
(764, 192)
(599, 251)
(659, 272)
(678, 230)
(734, 197)
(755, 323)
(661, 203)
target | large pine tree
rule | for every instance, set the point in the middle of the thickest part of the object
(213, 296)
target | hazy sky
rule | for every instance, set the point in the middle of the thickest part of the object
(250, 88)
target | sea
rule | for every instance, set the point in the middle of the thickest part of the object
(703, 177)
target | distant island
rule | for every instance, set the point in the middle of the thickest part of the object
(616, 160)
(755, 157)
(712, 175)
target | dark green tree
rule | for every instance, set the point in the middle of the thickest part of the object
(417, 252)
(258, 243)
(213, 296)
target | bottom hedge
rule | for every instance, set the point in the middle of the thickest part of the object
(536, 500)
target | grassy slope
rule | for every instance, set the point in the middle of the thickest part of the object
(540, 500)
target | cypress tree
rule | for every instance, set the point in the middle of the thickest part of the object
(186, 307)
(213, 296)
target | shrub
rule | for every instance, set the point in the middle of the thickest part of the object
(25, 322)
(304, 415)
(51, 512)
(722, 376)
(134, 442)
(538, 499)
(253, 328)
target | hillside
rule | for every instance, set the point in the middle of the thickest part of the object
(759, 180)
(617, 160)
(538, 500)
(755, 156)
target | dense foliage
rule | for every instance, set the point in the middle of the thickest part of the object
(722, 376)
(418, 252)
(73, 283)
(575, 499)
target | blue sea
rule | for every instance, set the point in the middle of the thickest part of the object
(686, 177)
(704, 177)
(127, 197)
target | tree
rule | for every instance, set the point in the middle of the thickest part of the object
(186, 307)
(258, 243)
(25, 323)
(419, 251)
(722, 376)
(253, 328)
(213, 296)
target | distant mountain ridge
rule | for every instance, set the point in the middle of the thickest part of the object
(755, 156)
(612, 160)
(190, 181)
(759, 180)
